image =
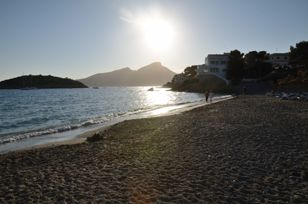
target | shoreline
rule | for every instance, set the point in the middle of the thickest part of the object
(250, 149)
(77, 138)
(82, 112)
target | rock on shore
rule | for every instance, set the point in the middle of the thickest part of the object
(251, 149)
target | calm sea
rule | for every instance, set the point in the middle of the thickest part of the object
(30, 113)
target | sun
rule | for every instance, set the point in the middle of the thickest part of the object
(157, 30)
(158, 33)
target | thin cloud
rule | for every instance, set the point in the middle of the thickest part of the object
(127, 16)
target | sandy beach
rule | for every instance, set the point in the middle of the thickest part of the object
(251, 149)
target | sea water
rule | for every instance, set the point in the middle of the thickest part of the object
(39, 112)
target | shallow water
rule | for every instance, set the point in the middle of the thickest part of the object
(30, 113)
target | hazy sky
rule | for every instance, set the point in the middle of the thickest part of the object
(78, 38)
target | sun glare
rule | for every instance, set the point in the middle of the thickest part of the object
(159, 97)
(158, 33)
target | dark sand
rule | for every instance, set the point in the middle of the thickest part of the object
(244, 150)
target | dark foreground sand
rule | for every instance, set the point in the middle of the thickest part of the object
(244, 150)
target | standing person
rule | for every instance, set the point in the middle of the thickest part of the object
(244, 90)
(206, 94)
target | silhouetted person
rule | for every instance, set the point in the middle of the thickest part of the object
(207, 94)
(244, 90)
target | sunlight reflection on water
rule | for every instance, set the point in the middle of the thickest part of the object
(160, 97)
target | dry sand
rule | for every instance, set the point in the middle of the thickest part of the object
(251, 149)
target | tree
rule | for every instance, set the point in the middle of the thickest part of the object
(250, 61)
(235, 71)
(251, 58)
(299, 55)
(256, 65)
(263, 56)
(191, 71)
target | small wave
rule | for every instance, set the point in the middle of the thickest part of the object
(16, 137)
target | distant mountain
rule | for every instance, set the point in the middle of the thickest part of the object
(154, 74)
(41, 82)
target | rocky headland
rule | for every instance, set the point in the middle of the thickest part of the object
(40, 82)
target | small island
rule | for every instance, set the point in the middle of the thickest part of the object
(40, 82)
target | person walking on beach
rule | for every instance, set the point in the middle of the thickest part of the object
(206, 94)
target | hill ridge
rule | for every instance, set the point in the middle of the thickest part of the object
(153, 74)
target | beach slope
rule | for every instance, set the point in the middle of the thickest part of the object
(251, 149)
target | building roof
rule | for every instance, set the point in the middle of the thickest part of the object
(280, 53)
(218, 55)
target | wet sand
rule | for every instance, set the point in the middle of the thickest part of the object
(251, 149)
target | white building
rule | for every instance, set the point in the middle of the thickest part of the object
(279, 59)
(215, 64)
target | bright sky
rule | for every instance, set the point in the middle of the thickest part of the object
(78, 38)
